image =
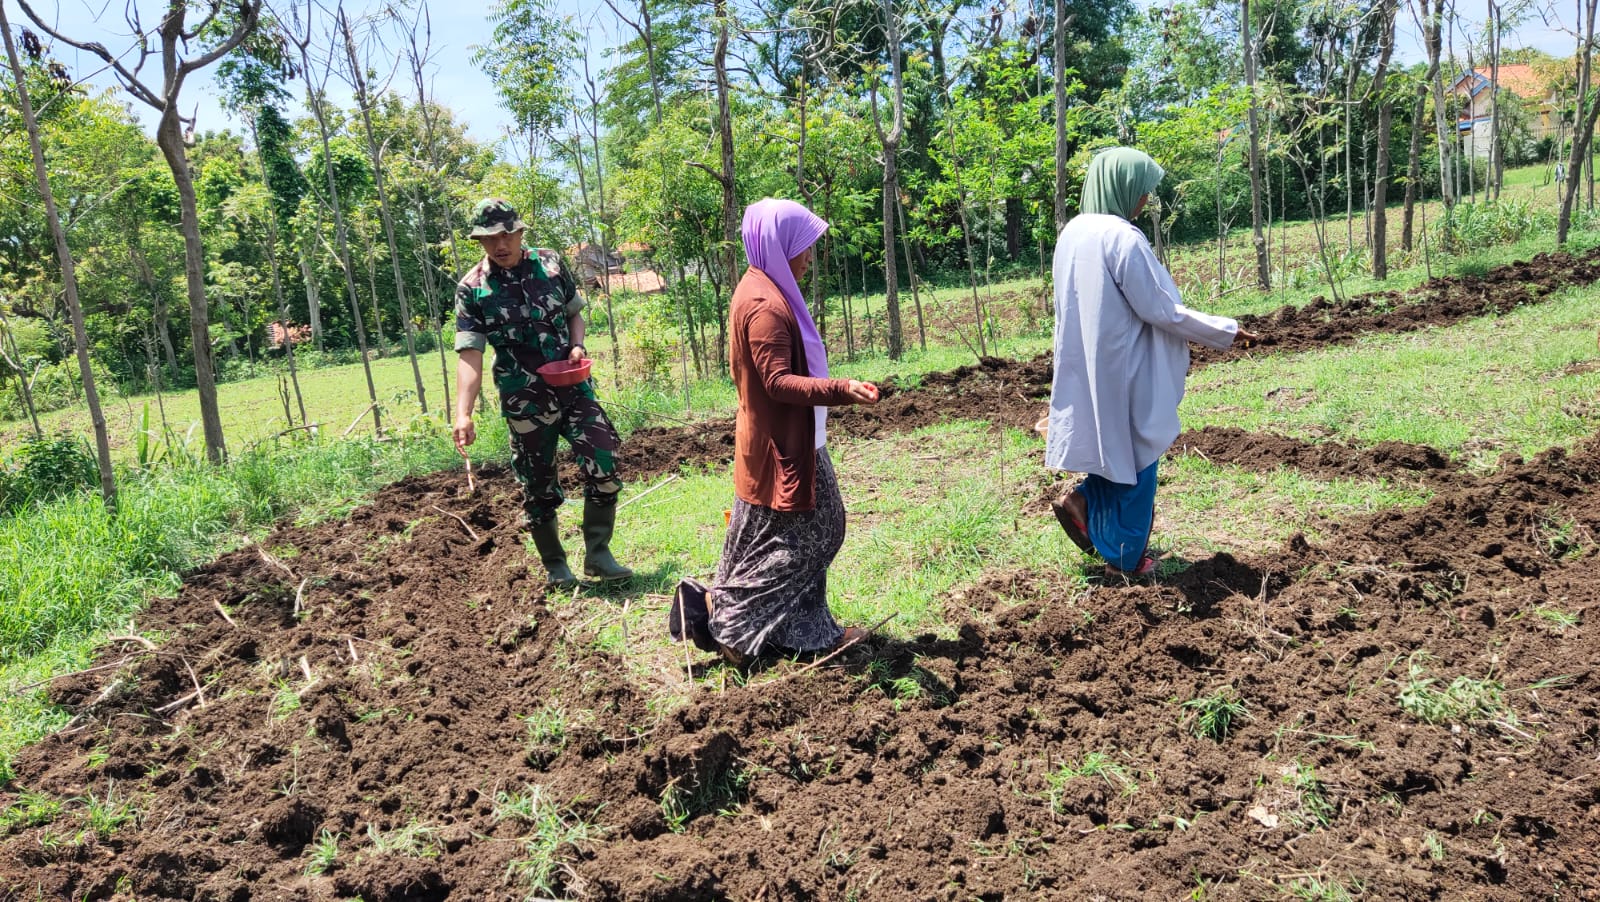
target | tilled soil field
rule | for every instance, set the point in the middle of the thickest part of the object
(1420, 715)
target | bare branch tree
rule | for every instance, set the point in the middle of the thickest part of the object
(174, 40)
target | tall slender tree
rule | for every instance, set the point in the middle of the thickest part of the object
(1584, 121)
(889, 140)
(316, 102)
(358, 80)
(1257, 238)
(1380, 187)
(234, 22)
(69, 278)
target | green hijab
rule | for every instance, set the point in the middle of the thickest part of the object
(1117, 178)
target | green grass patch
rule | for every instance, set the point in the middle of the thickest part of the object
(1520, 382)
(1203, 506)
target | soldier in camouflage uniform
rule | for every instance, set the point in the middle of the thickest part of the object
(526, 305)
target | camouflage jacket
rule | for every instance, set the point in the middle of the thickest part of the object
(521, 312)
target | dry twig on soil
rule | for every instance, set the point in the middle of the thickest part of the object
(669, 479)
(273, 561)
(469, 529)
(139, 639)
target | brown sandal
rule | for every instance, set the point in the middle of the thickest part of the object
(1074, 528)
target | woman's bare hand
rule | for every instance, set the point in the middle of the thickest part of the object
(1244, 339)
(863, 392)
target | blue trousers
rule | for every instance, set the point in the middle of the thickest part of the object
(1120, 516)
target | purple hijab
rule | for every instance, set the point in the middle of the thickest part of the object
(776, 231)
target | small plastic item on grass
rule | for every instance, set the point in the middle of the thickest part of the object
(565, 372)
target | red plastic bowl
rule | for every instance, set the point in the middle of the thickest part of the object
(565, 372)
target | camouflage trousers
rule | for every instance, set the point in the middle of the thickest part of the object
(537, 416)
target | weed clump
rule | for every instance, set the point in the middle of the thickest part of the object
(1212, 716)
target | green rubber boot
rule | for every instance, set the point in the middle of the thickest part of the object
(598, 523)
(547, 539)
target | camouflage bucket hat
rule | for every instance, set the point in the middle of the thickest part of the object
(494, 216)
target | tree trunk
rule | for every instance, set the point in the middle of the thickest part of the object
(1380, 186)
(1584, 120)
(600, 189)
(911, 276)
(313, 299)
(13, 359)
(1431, 27)
(730, 201)
(1413, 166)
(1059, 67)
(277, 277)
(890, 141)
(69, 279)
(341, 235)
(376, 155)
(1256, 237)
(170, 139)
(1496, 160)
(431, 288)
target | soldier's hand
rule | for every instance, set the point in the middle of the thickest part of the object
(464, 433)
(577, 353)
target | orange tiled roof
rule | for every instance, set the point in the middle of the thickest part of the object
(1520, 79)
(643, 282)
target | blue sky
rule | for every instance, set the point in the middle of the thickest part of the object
(458, 25)
(456, 83)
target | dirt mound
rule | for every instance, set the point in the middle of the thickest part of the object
(1265, 452)
(388, 717)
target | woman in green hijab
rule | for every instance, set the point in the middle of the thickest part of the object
(1121, 355)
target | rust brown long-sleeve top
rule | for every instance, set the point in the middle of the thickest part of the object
(775, 457)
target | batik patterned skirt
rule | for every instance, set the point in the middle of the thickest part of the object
(771, 590)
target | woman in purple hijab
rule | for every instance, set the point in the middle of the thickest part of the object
(770, 592)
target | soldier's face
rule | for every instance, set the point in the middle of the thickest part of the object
(503, 248)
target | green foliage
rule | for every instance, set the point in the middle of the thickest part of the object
(414, 839)
(44, 469)
(1463, 701)
(1212, 716)
(324, 852)
(30, 809)
(1312, 809)
(547, 734)
(103, 815)
(551, 831)
(527, 62)
(1093, 765)
(1474, 226)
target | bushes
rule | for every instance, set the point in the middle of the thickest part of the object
(44, 469)
(1475, 226)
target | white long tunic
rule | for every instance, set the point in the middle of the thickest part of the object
(1122, 350)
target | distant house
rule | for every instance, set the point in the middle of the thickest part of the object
(599, 271)
(277, 335)
(590, 262)
(645, 281)
(1474, 121)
